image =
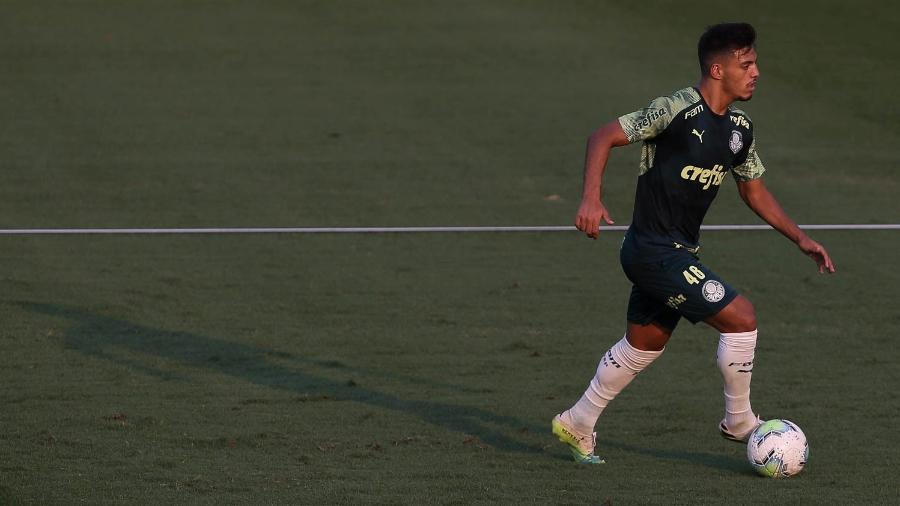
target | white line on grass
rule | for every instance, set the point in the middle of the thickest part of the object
(394, 230)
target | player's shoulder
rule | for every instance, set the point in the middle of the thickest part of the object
(688, 95)
(650, 121)
(740, 118)
(679, 100)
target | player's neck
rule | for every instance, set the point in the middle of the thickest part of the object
(716, 98)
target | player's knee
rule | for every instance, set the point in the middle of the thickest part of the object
(650, 337)
(743, 318)
(738, 316)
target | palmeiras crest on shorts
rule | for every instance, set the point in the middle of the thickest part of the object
(736, 141)
(713, 291)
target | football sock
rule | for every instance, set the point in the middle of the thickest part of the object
(735, 360)
(619, 365)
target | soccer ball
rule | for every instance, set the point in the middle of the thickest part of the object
(777, 449)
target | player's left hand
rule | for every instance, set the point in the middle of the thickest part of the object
(814, 250)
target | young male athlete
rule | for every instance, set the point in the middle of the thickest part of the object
(691, 140)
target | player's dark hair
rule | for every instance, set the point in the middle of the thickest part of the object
(724, 37)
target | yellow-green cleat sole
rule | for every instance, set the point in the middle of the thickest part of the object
(567, 437)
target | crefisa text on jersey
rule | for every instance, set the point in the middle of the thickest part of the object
(740, 121)
(706, 177)
(650, 118)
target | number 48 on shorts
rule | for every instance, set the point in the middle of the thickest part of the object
(712, 290)
(693, 275)
(674, 287)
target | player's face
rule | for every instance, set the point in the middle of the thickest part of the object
(740, 74)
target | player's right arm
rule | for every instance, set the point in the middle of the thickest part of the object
(599, 144)
(641, 125)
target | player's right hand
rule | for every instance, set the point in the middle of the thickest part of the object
(590, 213)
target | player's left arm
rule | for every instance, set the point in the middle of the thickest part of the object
(762, 202)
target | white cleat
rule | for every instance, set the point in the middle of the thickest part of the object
(740, 435)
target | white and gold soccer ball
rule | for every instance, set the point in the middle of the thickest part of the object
(777, 449)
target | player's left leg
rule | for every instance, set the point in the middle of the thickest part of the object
(737, 344)
(707, 297)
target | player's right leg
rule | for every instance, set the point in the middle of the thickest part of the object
(642, 344)
(652, 316)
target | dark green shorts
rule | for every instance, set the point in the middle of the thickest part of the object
(673, 285)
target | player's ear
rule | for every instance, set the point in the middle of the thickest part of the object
(716, 71)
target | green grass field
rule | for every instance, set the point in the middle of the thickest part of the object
(395, 369)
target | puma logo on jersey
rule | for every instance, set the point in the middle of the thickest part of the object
(706, 177)
(698, 134)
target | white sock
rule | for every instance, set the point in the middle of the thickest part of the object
(735, 360)
(617, 368)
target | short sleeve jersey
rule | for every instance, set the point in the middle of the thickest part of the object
(687, 151)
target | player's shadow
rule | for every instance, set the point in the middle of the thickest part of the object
(120, 341)
(713, 460)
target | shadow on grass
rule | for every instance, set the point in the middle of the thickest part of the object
(716, 461)
(100, 336)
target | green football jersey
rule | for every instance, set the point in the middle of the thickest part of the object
(687, 151)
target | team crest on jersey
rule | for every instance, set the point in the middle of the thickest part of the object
(713, 291)
(736, 142)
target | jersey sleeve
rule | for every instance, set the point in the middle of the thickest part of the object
(648, 122)
(752, 167)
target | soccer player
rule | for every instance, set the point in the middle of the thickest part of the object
(691, 140)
